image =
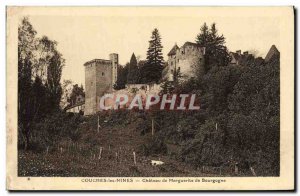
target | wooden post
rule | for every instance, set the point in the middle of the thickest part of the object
(100, 153)
(216, 126)
(119, 155)
(47, 150)
(152, 127)
(134, 158)
(252, 171)
(98, 124)
(236, 169)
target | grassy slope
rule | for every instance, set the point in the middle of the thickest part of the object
(81, 158)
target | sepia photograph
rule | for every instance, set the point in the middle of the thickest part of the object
(146, 96)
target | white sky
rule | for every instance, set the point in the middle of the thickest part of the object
(84, 37)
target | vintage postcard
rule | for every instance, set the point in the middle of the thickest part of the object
(150, 98)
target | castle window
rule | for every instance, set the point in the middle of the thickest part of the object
(171, 63)
(102, 73)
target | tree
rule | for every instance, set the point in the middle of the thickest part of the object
(177, 77)
(152, 70)
(133, 71)
(122, 77)
(39, 73)
(254, 121)
(44, 51)
(26, 41)
(26, 44)
(76, 91)
(203, 38)
(216, 53)
(67, 87)
(53, 85)
(168, 87)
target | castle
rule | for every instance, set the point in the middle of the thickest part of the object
(100, 76)
(184, 58)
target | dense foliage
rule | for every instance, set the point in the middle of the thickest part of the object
(216, 53)
(39, 73)
(239, 119)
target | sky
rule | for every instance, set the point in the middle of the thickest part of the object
(83, 35)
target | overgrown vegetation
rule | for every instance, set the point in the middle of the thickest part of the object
(39, 72)
(239, 116)
(142, 72)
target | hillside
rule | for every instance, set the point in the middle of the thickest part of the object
(119, 136)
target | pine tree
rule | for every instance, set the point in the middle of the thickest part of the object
(152, 70)
(216, 53)
(133, 71)
(203, 37)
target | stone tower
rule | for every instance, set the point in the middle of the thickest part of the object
(100, 76)
(114, 58)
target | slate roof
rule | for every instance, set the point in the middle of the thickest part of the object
(173, 50)
(273, 51)
(190, 44)
(236, 56)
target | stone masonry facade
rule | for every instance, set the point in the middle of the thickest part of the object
(100, 76)
(184, 58)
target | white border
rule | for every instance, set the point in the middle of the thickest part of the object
(4, 3)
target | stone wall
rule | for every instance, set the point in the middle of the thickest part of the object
(114, 58)
(185, 58)
(98, 81)
(104, 80)
(90, 88)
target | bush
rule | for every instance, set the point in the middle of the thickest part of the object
(154, 146)
(54, 128)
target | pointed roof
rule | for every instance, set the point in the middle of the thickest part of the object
(190, 44)
(234, 55)
(273, 51)
(173, 50)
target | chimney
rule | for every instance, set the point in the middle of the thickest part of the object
(245, 53)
